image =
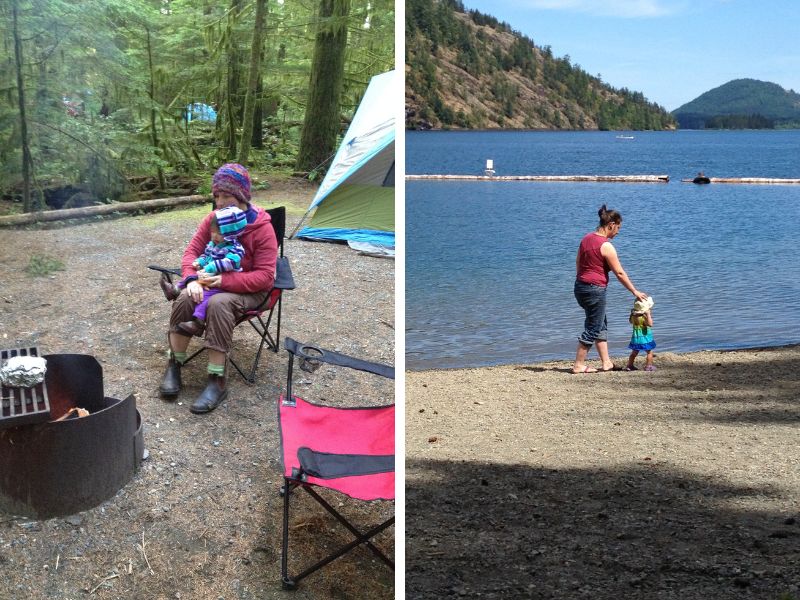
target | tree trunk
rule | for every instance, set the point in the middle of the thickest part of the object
(322, 119)
(257, 139)
(162, 182)
(232, 109)
(253, 79)
(23, 120)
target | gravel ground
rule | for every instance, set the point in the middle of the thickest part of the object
(202, 518)
(531, 482)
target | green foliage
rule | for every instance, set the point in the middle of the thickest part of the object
(572, 98)
(132, 66)
(204, 188)
(741, 103)
(43, 265)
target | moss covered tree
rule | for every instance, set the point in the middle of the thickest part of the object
(322, 119)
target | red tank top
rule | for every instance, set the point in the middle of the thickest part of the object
(592, 267)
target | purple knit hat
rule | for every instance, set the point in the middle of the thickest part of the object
(234, 179)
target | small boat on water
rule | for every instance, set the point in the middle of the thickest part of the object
(701, 179)
(625, 137)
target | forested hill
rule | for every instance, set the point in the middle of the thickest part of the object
(468, 70)
(742, 103)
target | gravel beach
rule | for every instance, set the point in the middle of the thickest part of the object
(530, 482)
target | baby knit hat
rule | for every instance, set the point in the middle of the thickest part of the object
(234, 179)
(231, 221)
(642, 306)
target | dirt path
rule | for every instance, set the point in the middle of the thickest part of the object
(205, 505)
(531, 482)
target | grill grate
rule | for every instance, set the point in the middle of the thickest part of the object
(22, 405)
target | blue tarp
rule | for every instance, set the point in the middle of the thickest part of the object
(200, 112)
(383, 238)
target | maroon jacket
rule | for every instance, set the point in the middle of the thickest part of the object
(258, 262)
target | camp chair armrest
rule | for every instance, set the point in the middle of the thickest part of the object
(284, 280)
(336, 358)
(167, 270)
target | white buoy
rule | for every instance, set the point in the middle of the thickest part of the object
(489, 167)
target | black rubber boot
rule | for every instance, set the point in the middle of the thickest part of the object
(171, 384)
(211, 397)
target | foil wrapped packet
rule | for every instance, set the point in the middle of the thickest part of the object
(23, 371)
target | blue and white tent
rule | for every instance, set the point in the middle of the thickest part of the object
(200, 112)
(355, 201)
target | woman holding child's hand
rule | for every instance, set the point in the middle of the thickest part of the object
(596, 257)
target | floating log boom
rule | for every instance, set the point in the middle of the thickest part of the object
(759, 180)
(600, 178)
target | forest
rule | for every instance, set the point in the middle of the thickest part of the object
(104, 98)
(528, 86)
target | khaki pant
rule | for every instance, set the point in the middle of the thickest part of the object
(223, 310)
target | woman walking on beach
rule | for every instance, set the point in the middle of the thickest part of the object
(596, 257)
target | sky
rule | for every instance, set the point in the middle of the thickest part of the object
(670, 50)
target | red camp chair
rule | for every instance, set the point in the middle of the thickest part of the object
(350, 450)
(261, 317)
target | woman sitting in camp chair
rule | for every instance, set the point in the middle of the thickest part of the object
(242, 290)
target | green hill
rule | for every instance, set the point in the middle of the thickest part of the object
(467, 70)
(741, 103)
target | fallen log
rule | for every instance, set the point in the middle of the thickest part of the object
(100, 209)
(600, 178)
(173, 193)
(765, 180)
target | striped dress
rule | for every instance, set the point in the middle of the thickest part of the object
(641, 340)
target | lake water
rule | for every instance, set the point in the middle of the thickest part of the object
(490, 266)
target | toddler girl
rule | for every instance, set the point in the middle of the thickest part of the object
(642, 337)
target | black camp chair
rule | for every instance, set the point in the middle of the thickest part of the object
(346, 449)
(267, 316)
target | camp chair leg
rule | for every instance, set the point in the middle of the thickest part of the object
(266, 338)
(290, 583)
(344, 550)
(200, 351)
(278, 330)
(248, 377)
(287, 582)
(365, 538)
(239, 370)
